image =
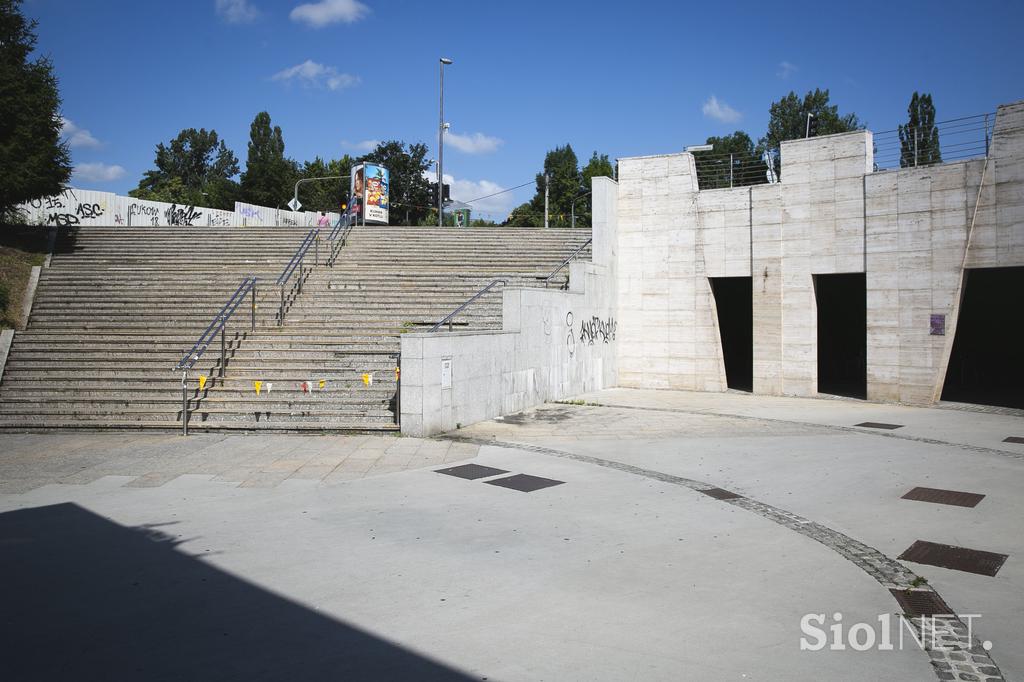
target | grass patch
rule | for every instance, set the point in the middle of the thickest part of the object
(20, 249)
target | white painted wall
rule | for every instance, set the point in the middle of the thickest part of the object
(87, 207)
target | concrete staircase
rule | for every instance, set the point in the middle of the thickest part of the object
(119, 307)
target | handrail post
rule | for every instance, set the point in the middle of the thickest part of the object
(280, 312)
(252, 317)
(223, 346)
(316, 249)
(301, 270)
(184, 402)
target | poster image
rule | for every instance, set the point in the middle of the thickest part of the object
(376, 202)
(369, 201)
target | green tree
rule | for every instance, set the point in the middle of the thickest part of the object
(34, 162)
(919, 139)
(599, 166)
(789, 120)
(734, 152)
(195, 168)
(564, 183)
(409, 192)
(269, 177)
(325, 195)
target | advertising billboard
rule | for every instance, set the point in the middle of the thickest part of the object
(370, 184)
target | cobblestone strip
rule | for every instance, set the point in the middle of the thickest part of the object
(954, 654)
(834, 427)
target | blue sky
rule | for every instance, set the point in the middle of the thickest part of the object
(623, 79)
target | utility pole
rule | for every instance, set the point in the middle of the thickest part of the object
(547, 183)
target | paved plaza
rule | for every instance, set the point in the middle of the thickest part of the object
(627, 534)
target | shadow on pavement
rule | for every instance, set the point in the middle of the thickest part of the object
(82, 597)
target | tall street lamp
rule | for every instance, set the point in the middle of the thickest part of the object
(440, 150)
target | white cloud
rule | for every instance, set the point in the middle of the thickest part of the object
(236, 11)
(720, 111)
(98, 172)
(495, 207)
(326, 12)
(786, 69)
(362, 146)
(77, 137)
(314, 74)
(477, 143)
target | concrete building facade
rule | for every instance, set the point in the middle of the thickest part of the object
(837, 279)
(913, 233)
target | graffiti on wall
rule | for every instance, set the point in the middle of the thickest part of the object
(65, 210)
(591, 331)
(186, 215)
(142, 214)
(597, 329)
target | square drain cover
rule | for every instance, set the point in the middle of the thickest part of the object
(922, 603)
(939, 496)
(471, 471)
(524, 482)
(956, 558)
(880, 425)
(1013, 439)
(721, 494)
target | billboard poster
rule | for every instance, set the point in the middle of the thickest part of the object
(370, 184)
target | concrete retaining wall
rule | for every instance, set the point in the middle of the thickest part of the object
(554, 344)
(908, 230)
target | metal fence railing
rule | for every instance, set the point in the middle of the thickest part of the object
(957, 139)
(719, 170)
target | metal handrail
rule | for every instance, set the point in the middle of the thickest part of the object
(338, 236)
(219, 324)
(308, 240)
(312, 238)
(448, 318)
(574, 255)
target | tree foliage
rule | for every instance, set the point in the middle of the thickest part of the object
(568, 183)
(325, 195)
(195, 168)
(410, 189)
(34, 162)
(788, 120)
(919, 138)
(735, 152)
(269, 177)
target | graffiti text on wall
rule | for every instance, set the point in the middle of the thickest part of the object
(597, 329)
(181, 216)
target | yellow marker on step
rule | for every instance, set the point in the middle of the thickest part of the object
(257, 385)
(323, 384)
(202, 381)
(367, 379)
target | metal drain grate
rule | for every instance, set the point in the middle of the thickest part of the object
(524, 482)
(471, 471)
(922, 603)
(721, 494)
(939, 496)
(880, 425)
(1013, 439)
(956, 558)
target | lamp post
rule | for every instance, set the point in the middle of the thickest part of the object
(440, 149)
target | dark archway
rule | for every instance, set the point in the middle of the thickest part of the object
(986, 365)
(735, 303)
(842, 334)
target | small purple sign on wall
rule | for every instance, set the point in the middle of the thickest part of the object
(938, 325)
